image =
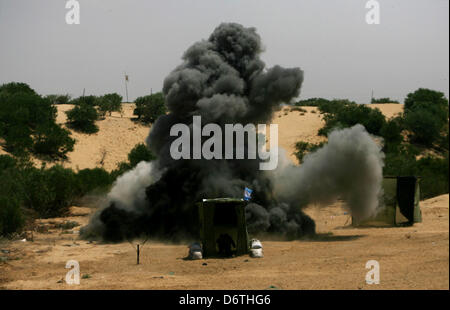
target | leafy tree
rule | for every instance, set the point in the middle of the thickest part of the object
(424, 95)
(49, 192)
(7, 162)
(14, 87)
(89, 100)
(313, 102)
(110, 103)
(59, 99)
(384, 100)
(342, 114)
(93, 179)
(53, 141)
(140, 153)
(27, 119)
(392, 133)
(82, 118)
(149, 108)
(426, 116)
(303, 148)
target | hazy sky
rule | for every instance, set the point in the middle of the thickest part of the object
(342, 56)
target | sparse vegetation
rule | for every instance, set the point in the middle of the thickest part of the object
(149, 108)
(408, 138)
(139, 153)
(110, 103)
(384, 100)
(303, 148)
(82, 118)
(59, 99)
(28, 124)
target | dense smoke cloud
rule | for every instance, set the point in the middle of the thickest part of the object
(223, 80)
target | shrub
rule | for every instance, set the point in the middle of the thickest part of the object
(59, 99)
(313, 102)
(7, 162)
(82, 118)
(149, 108)
(426, 121)
(89, 100)
(11, 218)
(53, 141)
(433, 171)
(28, 124)
(392, 133)
(429, 96)
(140, 153)
(347, 114)
(93, 179)
(383, 100)
(302, 148)
(49, 192)
(110, 103)
(14, 87)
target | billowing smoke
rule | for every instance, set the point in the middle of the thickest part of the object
(224, 81)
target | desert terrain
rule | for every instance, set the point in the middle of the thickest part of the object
(415, 257)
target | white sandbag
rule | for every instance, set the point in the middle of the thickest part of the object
(256, 253)
(256, 244)
(256, 250)
(195, 251)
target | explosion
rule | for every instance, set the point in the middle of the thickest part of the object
(224, 81)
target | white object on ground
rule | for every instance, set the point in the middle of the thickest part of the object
(195, 251)
(256, 249)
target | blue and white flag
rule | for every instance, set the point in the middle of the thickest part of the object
(247, 194)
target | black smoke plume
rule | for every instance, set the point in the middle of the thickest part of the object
(223, 80)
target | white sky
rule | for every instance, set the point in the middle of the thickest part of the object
(342, 56)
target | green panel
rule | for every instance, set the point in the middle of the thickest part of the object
(386, 214)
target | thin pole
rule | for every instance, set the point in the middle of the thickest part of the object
(126, 85)
(137, 258)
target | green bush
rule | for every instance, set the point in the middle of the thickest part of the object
(149, 108)
(11, 218)
(140, 153)
(14, 87)
(59, 99)
(392, 134)
(93, 179)
(89, 100)
(7, 162)
(312, 102)
(82, 118)
(433, 171)
(53, 141)
(342, 114)
(49, 192)
(110, 103)
(302, 148)
(424, 95)
(425, 122)
(28, 124)
(383, 100)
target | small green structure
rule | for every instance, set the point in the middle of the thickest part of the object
(401, 203)
(222, 216)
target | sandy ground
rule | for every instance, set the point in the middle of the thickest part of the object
(415, 257)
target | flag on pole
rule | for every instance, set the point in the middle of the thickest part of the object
(247, 194)
(126, 77)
